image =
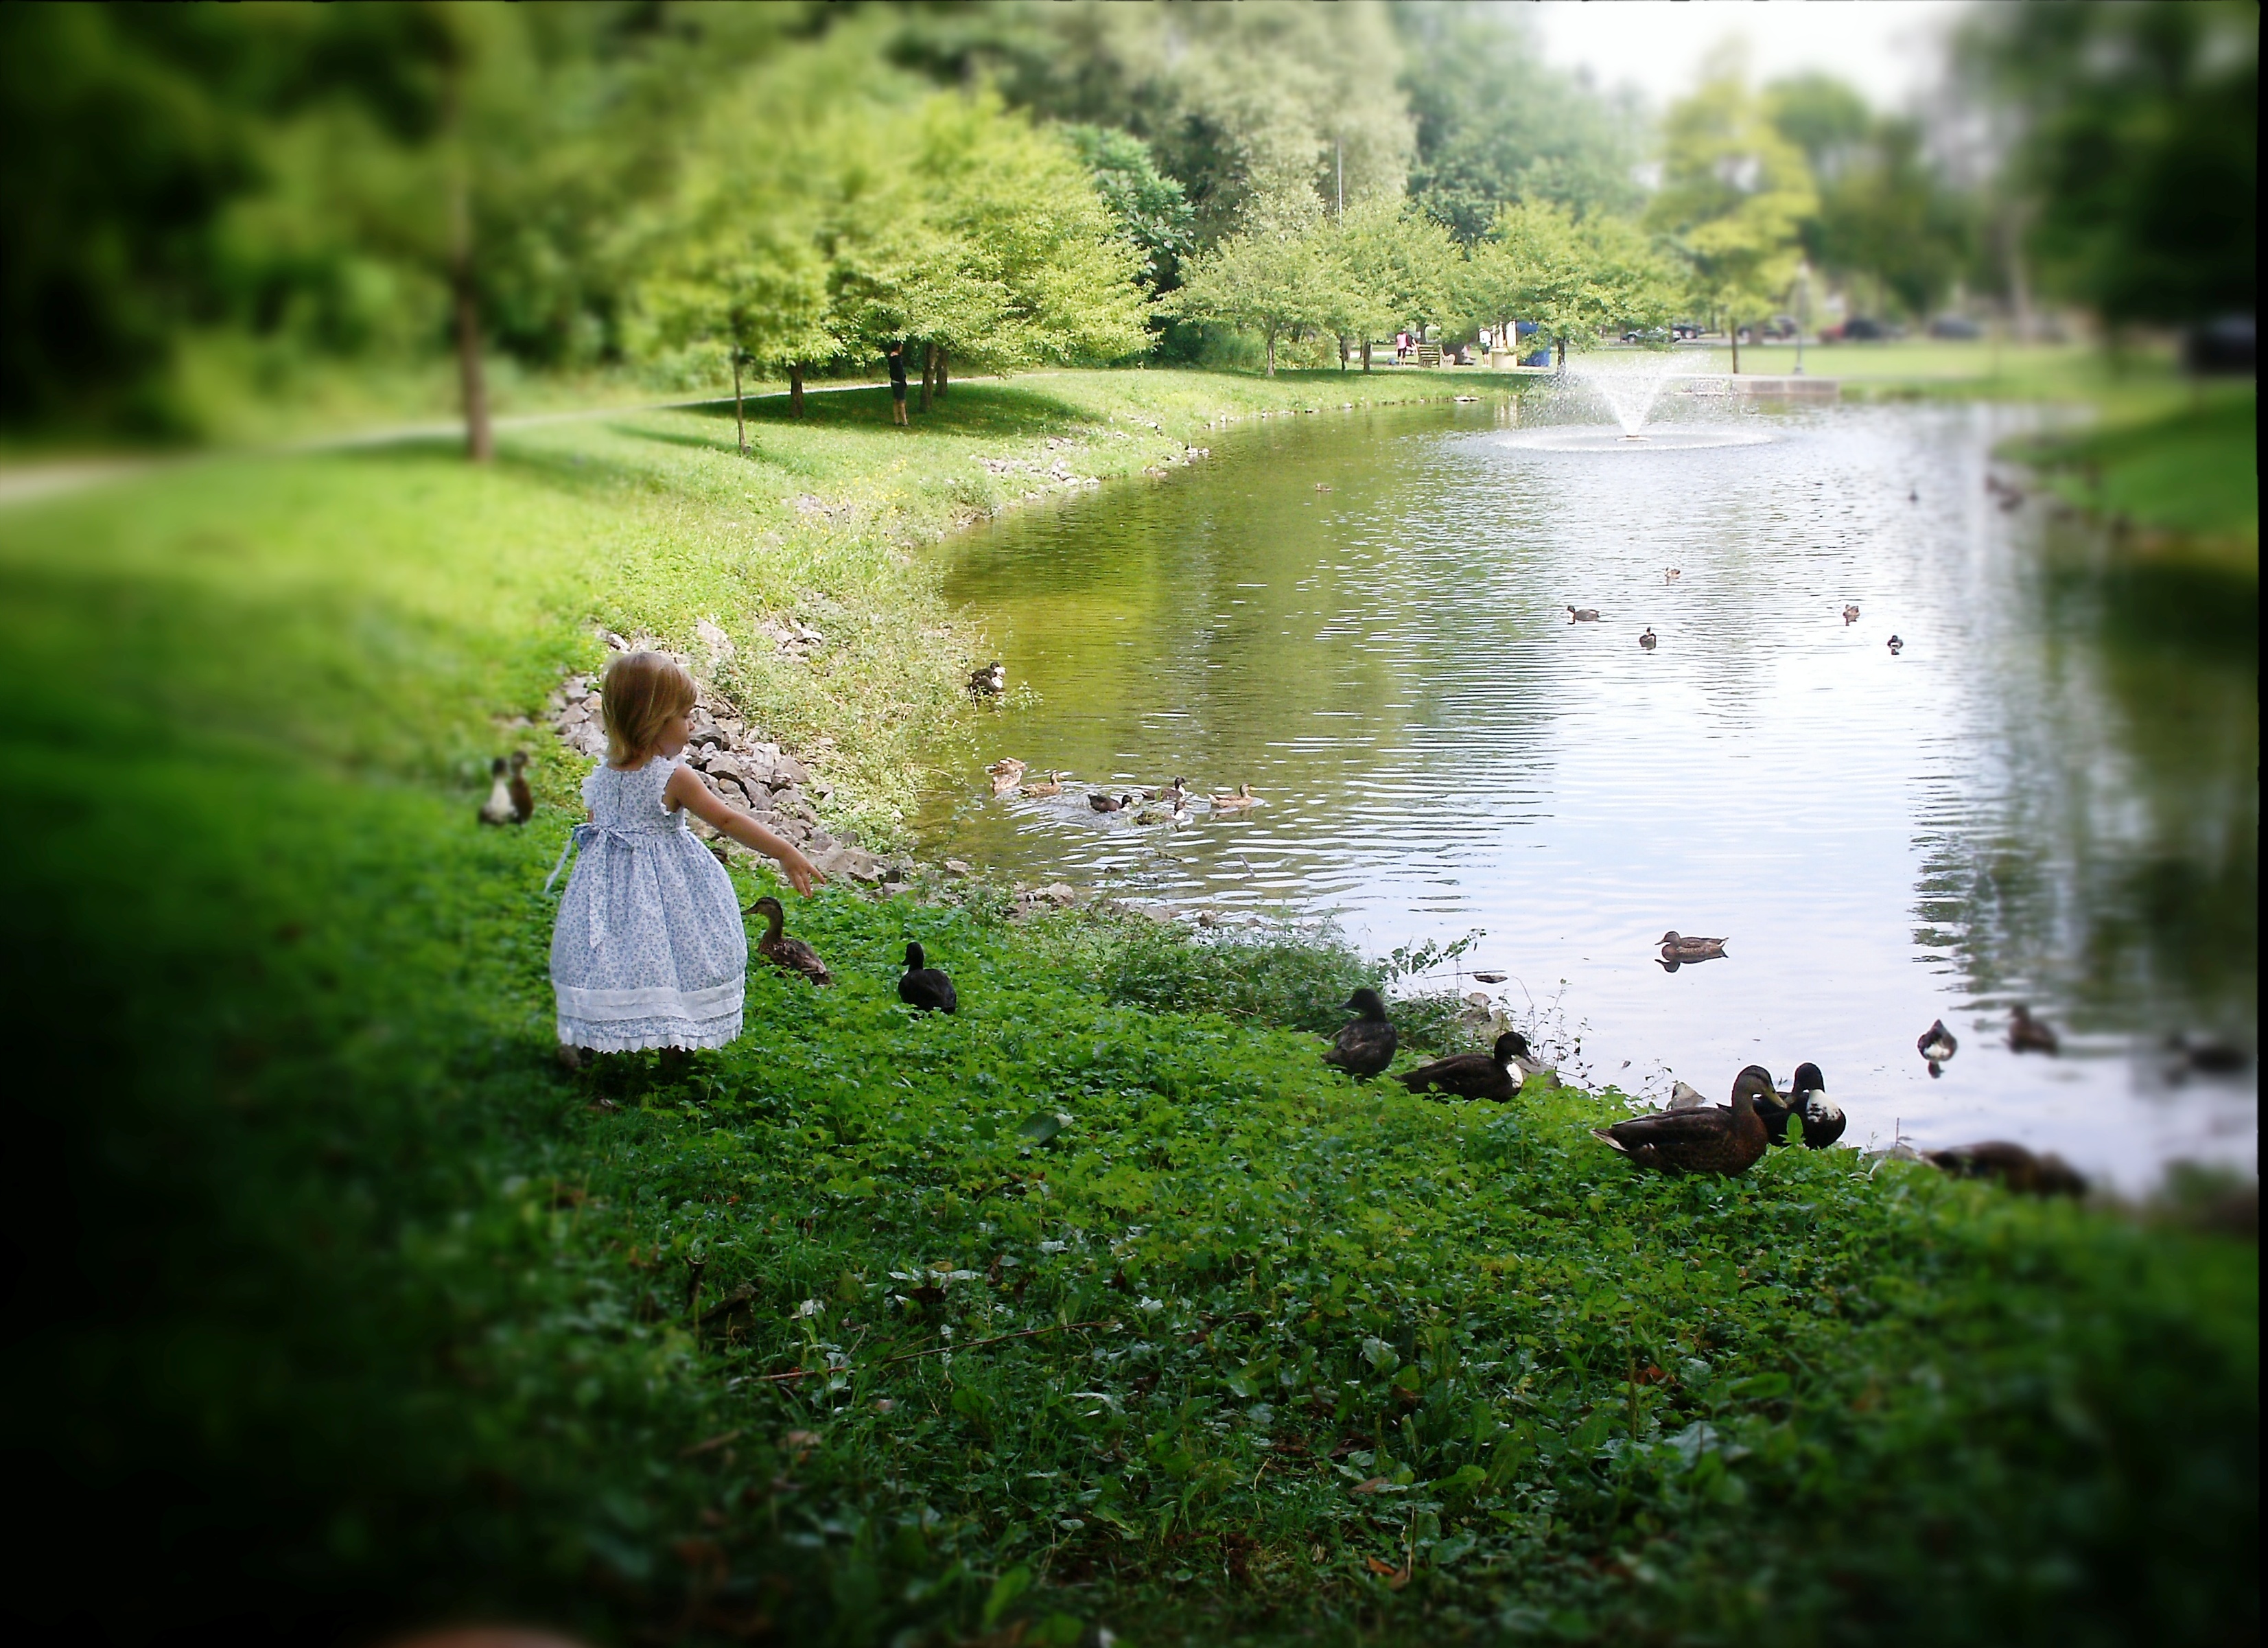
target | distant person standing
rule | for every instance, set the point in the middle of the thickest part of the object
(898, 383)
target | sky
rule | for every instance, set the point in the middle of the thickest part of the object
(1883, 47)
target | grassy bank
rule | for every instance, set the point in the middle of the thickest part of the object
(337, 1307)
(2184, 482)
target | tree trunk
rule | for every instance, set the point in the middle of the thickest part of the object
(479, 440)
(1733, 331)
(1563, 358)
(1271, 352)
(929, 373)
(740, 407)
(1343, 351)
(1365, 354)
(941, 372)
(795, 389)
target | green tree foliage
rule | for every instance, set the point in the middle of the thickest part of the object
(1274, 278)
(1391, 267)
(2140, 144)
(1574, 279)
(1735, 196)
(1494, 126)
(1152, 210)
(1241, 104)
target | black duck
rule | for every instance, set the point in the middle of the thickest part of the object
(2013, 1165)
(925, 986)
(1496, 1075)
(1936, 1046)
(1367, 1046)
(2026, 1034)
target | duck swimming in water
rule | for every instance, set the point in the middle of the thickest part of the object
(1102, 803)
(1851, 615)
(2026, 1034)
(1583, 615)
(1713, 1140)
(1896, 646)
(1496, 1075)
(1365, 1045)
(1647, 640)
(1936, 1046)
(989, 682)
(1233, 801)
(1052, 786)
(1676, 947)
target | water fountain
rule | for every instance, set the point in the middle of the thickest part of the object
(1632, 382)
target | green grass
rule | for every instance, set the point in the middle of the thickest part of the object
(1942, 369)
(338, 1307)
(2189, 477)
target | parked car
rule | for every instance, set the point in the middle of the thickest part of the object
(1651, 335)
(1780, 327)
(2226, 346)
(1685, 331)
(1956, 326)
(1858, 329)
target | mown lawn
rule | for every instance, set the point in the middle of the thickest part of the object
(2190, 475)
(336, 1307)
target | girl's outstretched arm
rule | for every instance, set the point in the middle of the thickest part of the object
(686, 789)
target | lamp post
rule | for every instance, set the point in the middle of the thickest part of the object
(1802, 311)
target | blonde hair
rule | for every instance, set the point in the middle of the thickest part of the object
(641, 692)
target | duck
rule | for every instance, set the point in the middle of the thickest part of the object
(1052, 786)
(1913, 494)
(2026, 1034)
(1496, 1075)
(1685, 1096)
(1176, 811)
(1173, 790)
(1851, 614)
(1007, 772)
(1896, 646)
(1104, 803)
(1647, 640)
(1322, 486)
(1731, 1139)
(989, 682)
(1236, 801)
(501, 806)
(1806, 1098)
(924, 987)
(1366, 1045)
(1583, 615)
(2045, 1174)
(1671, 574)
(1937, 1047)
(789, 955)
(1676, 947)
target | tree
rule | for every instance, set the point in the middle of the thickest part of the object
(1273, 278)
(2137, 149)
(1574, 279)
(1734, 195)
(1392, 267)
(1495, 127)
(1152, 210)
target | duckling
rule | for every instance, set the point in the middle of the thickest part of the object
(2015, 1167)
(2026, 1034)
(924, 987)
(1647, 640)
(1807, 1098)
(1007, 772)
(1583, 615)
(1700, 1141)
(1102, 803)
(1052, 786)
(1676, 947)
(1937, 1047)
(1496, 1075)
(1367, 1046)
(1227, 802)
(500, 808)
(789, 955)
(1851, 614)
(989, 682)
(1896, 646)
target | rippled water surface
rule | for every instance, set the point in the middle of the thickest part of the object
(2048, 795)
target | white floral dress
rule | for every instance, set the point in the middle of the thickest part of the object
(649, 950)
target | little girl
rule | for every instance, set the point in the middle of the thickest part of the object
(649, 950)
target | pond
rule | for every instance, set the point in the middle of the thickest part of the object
(2048, 796)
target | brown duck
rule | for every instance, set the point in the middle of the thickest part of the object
(789, 955)
(2011, 1165)
(1495, 1075)
(1698, 1140)
(2026, 1034)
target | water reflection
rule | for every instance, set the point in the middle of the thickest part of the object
(2049, 796)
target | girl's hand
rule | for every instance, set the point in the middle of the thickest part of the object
(801, 873)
